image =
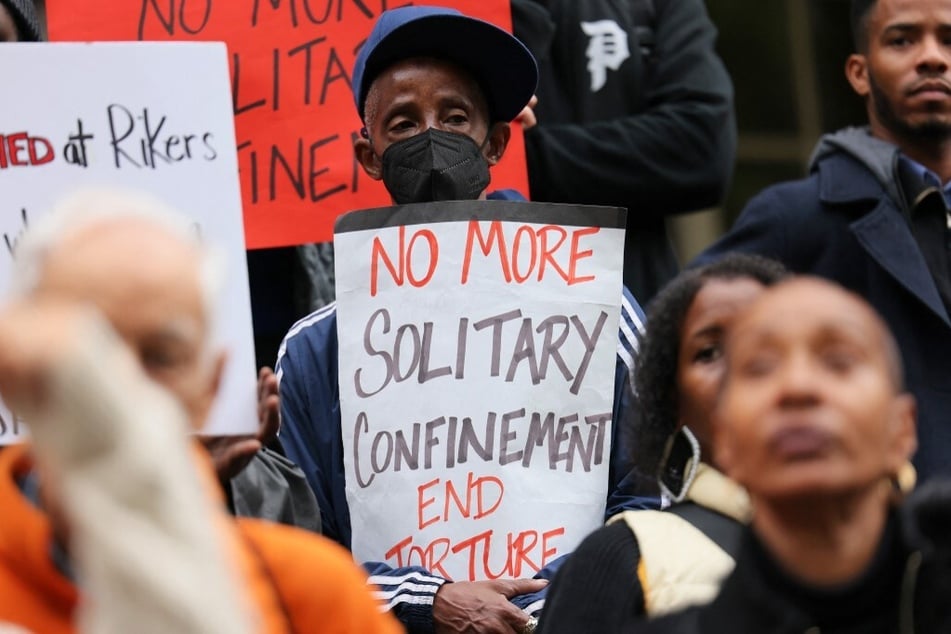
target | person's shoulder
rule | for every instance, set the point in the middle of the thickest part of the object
(319, 583)
(631, 324)
(281, 545)
(613, 539)
(314, 336)
(787, 194)
(316, 326)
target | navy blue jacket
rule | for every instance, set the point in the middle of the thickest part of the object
(845, 224)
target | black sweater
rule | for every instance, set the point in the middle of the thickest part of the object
(658, 137)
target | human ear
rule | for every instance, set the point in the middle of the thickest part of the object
(496, 142)
(368, 159)
(856, 71)
(903, 436)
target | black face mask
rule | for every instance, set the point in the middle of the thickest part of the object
(434, 165)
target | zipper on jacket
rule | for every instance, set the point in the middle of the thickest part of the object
(909, 583)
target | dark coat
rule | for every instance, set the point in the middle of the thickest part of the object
(657, 137)
(841, 224)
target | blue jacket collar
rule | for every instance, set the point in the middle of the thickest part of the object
(844, 180)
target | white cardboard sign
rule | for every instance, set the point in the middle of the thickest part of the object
(477, 359)
(152, 117)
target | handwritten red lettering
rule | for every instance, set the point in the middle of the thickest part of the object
(397, 551)
(549, 251)
(485, 244)
(549, 553)
(524, 553)
(577, 255)
(423, 504)
(488, 493)
(480, 487)
(531, 251)
(403, 269)
(451, 493)
(517, 246)
(433, 258)
(22, 150)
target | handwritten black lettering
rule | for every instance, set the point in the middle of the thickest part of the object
(75, 150)
(567, 442)
(12, 242)
(155, 148)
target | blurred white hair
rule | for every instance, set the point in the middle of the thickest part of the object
(93, 206)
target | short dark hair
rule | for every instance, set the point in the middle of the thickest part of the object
(655, 376)
(859, 23)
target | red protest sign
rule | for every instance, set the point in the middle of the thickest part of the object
(295, 119)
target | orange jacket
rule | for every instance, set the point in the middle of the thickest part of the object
(297, 581)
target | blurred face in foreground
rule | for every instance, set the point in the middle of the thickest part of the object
(145, 281)
(812, 404)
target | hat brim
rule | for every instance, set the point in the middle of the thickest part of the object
(502, 65)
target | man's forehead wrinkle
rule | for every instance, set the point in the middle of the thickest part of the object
(410, 69)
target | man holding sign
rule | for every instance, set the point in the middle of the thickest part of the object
(435, 90)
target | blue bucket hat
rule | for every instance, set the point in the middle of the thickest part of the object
(504, 68)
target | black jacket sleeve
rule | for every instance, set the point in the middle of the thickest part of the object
(675, 155)
(597, 589)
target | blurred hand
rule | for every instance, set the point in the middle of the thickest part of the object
(527, 116)
(482, 607)
(231, 454)
(35, 335)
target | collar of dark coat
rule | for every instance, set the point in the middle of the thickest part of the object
(881, 223)
(844, 180)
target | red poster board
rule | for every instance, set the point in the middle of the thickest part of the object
(295, 119)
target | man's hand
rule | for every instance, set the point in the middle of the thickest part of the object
(482, 607)
(35, 335)
(527, 116)
(231, 454)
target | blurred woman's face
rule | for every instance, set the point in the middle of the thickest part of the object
(700, 362)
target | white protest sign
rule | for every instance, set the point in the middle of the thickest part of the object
(149, 117)
(477, 361)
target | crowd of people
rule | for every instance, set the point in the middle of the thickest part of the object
(778, 438)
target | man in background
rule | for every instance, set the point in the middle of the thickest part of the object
(873, 213)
